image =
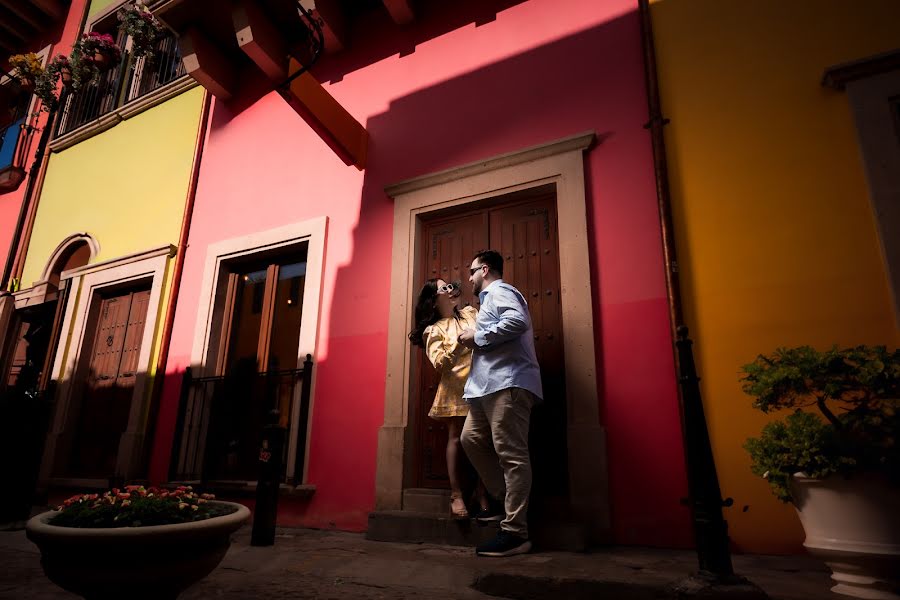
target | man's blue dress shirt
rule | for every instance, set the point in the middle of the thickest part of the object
(504, 356)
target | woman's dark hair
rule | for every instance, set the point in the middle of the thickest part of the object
(426, 312)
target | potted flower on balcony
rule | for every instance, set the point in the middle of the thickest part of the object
(149, 539)
(26, 68)
(141, 26)
(100, 49)
(60, 65)
(840, 464)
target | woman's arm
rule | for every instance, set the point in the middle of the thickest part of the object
(440, 351)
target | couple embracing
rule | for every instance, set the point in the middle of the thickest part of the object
(490, 380)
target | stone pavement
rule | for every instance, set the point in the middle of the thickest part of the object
(308, 563)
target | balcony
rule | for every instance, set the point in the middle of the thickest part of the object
(121, 86)
(222, 418)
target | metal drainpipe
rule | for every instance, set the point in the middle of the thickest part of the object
(705, 496)
(36, 167)
(169, 324)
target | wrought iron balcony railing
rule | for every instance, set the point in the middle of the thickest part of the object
(221, 420)
(131, 79)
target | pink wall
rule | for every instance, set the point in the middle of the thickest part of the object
(454, 88)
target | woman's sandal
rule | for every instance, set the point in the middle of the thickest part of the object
(458, 513)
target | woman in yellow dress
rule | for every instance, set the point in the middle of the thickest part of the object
(439, 321)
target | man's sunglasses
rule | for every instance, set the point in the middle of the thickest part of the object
(473, 269)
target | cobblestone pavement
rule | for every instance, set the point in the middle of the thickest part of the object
(334, 565)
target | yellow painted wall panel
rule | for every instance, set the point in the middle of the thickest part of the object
(126, 186)
(775, 234)
(97, 6)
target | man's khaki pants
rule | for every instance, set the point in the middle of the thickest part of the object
(495, 438)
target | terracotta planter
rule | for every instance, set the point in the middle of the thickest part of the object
(144, 562)
(65, 75)
(853, 525)
(27, 84)
(102, 60)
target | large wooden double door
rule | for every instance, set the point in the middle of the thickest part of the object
(523, 228)
(109, 382)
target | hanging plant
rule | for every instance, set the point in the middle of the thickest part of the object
(26, 68)
(96, 51)
(60, 65)
(142, 26)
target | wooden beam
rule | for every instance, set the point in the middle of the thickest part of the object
(8, 43)
(337, 127)
(207, 64)
(334, 22)
(260, 39)
(53, 8)
(12, 24)
(22, 10)
(401, 11)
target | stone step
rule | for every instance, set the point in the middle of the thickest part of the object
(425, 500)
(427, 528)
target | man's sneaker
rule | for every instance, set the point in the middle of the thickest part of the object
(493, 513)
(505, 544)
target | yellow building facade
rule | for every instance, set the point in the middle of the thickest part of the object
(777, 240)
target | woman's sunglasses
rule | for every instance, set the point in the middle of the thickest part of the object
(448, 288)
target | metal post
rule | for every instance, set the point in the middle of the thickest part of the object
(705, 497)
(271, 450)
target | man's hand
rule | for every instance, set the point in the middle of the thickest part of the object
(467, 338)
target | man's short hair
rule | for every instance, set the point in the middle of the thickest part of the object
(493, 259)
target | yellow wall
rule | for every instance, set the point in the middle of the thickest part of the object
(126, 187)
(775, 235)
(99, 5)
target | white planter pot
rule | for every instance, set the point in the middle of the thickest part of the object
(853, 525)
(158, 561)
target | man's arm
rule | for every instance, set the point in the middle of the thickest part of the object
(513, 322)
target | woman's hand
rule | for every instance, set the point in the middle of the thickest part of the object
(467, 338)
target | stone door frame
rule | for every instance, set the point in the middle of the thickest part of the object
(559, 162)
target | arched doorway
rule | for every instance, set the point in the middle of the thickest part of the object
(28, 347)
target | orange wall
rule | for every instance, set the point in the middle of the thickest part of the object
(776, 239)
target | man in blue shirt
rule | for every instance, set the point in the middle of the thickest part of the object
(504, 383)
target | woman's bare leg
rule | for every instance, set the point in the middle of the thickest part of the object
(454, 451)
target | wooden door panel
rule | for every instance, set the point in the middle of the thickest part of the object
(134, 332)
(447, 250)
(526, 235)
(108, 341)
(106, 402)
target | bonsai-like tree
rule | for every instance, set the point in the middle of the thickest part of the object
(855, 420)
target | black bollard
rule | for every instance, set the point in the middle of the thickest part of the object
(270, 452)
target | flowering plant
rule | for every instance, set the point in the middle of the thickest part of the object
(141, 25)
(137, 506)
(83, 57)
(99, 43)
(26, 66)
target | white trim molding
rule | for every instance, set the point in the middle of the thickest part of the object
(73, 354)
(313, 233)
(561, 163)
(873, 90)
